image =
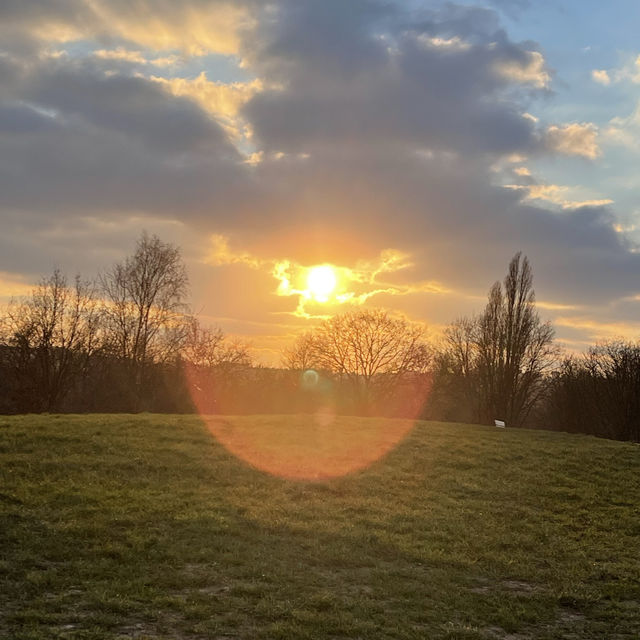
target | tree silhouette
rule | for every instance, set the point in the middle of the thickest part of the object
(368, 351)
(145, 306)
(52, 334)
(501, 355)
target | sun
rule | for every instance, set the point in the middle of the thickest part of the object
(321, 282)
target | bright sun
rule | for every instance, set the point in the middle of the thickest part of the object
(321, 281)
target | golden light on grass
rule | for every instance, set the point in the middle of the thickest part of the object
(308, 447)
(313, 446)
(321, 282)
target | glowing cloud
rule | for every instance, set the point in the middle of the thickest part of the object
(557, 194)
(531, 72)
(193, 30)
(321, 287)
(134, 57)
(328, 285)
(574, 139)
(320, 284)
(222, 100)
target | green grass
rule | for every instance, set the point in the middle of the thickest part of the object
(146, 527)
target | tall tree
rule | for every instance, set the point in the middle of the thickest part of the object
(501, 355)
(145, 306)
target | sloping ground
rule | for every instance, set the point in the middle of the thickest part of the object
(147, 527)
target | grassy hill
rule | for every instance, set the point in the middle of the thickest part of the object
(146, 527)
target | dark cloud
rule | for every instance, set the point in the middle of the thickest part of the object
(22, 119)
(73, 167)
(76, 140)
(381, 80)
(17, 14)
(130, 106)
(305, 38)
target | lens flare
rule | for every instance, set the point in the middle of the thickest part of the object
(311, 441)
(308, 447)
(310, 379)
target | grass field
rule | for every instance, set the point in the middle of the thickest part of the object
(146, 527)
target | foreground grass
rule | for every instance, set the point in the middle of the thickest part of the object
(146, 527)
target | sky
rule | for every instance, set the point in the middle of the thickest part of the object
(412, 147)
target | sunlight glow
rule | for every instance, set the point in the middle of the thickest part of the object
(319, 286)
(321, 282)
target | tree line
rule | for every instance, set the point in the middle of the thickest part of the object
(128, 341)
(113, 344)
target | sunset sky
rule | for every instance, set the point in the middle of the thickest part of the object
(409, 147)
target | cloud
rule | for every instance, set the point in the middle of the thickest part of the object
(557, 194)
(220, 253)
(599, 330)
(129, 105)
(76, 140)
(358, 75)
(222, 100)
(630, 71)
(625, 131)
(134, 57)
(601, 76)
(574, 139)
(529, 70)
(193, 27)
(121, 53)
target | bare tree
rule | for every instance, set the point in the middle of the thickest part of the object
(597, 392)
(369, 350)
(300, 356)
(515, 347)
(209, 347)
(454, 395)
(614, 388)
(501, 356)
(52, 335)
(145, 306)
